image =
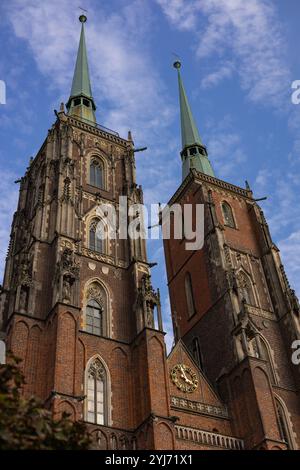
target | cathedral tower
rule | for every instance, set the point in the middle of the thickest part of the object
(231, 302)
(79, 308)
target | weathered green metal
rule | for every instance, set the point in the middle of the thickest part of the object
(193, 152)
(81, 103)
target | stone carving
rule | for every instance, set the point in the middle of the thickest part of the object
(232, 280)
(94, 292)
(148, 299)
(23, 299)
(96, 369)
(199, 407)
(67, 190)
(67, 272)
(117, 273)
(69, 164)
(68, 263)
(227, 255)
(24, 276)
(66, 291)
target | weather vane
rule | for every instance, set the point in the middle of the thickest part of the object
(83, 17)
(177, 63)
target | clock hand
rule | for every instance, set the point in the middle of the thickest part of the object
(183, 376)
(186, 379)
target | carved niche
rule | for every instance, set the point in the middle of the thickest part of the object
(67, 275)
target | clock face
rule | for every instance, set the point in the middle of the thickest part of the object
(184, 378)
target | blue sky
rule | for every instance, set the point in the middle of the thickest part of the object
(239, 60)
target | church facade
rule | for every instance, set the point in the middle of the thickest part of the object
(82, 314)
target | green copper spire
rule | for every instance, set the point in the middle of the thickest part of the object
(81, 103)
(193, 154)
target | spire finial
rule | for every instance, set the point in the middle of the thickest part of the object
(82, 18)
(177, 64)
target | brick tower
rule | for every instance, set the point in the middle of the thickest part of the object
(232, 304)
(77, 308)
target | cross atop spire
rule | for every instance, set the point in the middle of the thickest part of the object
(81, 103)
(193, 154)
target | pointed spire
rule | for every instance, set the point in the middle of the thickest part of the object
(193, 154)
(81, 103)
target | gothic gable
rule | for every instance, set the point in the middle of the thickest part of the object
(203, 391)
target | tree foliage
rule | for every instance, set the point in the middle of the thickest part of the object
(26, 424)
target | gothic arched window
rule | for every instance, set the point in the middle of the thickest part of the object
(189, 294)
(96, 173)
(228, 215)
(97, 393)
(96, 238)
(96, 303)
(245, 286)
(258, 347)
(283, 424)
(94, 318)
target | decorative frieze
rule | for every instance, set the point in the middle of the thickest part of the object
(102, 257)
(260, 312)
(199, 407)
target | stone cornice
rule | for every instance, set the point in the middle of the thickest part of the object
(94, 130)
(197, 177)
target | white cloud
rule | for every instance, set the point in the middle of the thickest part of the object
(181, 13)
(281, 208)
(247, 31)
(214, 78)
(225, 148)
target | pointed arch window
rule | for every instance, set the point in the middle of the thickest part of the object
(283, 424)
(258, 347)
(97, 241)
(94, 318)
(246, 289)
(97, 393)
(196, 352)
(228, 215)
(189, 294)
(97, 173)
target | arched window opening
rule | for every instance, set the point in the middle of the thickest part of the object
(253, 348)
(189, 295)
(257, 347)
(228, 215)
(96, 303)
(96, 173)
(246, 289)
(94, 318)
(283, 426)
(265, 354)
(96, 393)
(97, 241)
